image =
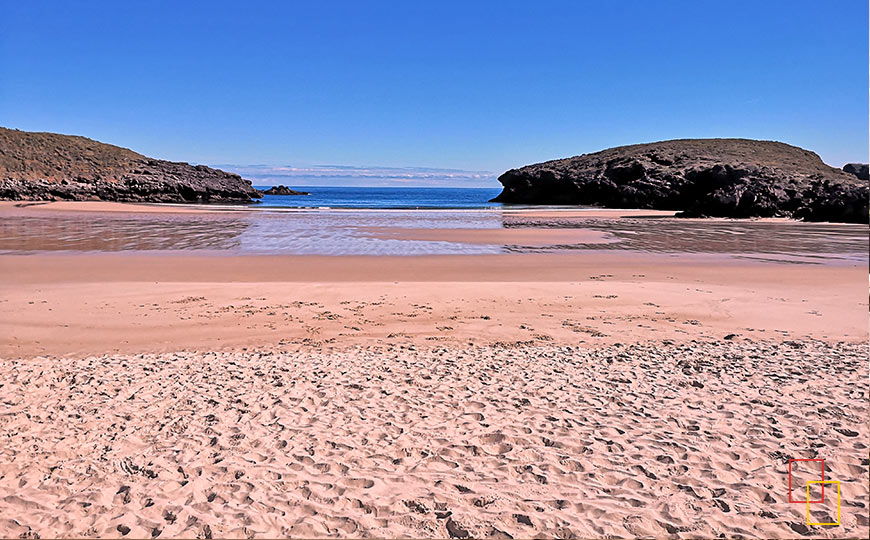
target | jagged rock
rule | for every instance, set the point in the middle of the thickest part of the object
(861, 170)
(283, 190)
(738, 178)
(50, 166)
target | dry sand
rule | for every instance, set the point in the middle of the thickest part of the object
(585, 394)
(655, 441)
(94, 304)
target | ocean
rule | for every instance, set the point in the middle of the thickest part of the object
(383, 198)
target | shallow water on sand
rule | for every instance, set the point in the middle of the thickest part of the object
(349, 232)
(312, 232)
(780, 240)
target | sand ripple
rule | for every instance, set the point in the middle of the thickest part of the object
(659, 440)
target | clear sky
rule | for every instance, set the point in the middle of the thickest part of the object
(460, 85)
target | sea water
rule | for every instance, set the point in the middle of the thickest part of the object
(382, 197)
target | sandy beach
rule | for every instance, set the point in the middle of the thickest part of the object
(96, 304)
(553, 441)
(560, 394)
(434, 270)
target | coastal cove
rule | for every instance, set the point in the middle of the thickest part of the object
(434, 270)
(541, 355)
(329, 364)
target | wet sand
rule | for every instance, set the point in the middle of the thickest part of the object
(54, 207)
(515, 236)
(113, 227)
(571, 394)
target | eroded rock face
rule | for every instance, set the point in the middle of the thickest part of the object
(283, 190)
(861, 170)
(700, 177)
(50, 166)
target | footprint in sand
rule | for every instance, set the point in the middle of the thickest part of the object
(363, 483)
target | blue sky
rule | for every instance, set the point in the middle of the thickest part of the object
(478, 86)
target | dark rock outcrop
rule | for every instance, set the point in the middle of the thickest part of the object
(701, 177)
(283, 190)
(861, 170)
(50, 166)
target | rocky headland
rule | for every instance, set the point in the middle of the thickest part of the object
(861, 170)
(283, 190)
(738, 178)
(51, 166)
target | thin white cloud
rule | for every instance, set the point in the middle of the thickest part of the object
(348, 175)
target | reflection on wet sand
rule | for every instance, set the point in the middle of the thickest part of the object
(424, 233)
(88, 232)
(809, 241)
(256, 232)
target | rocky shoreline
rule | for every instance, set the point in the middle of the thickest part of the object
(737, 178)
(153, 181)
(860, 170)
(49, 166)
